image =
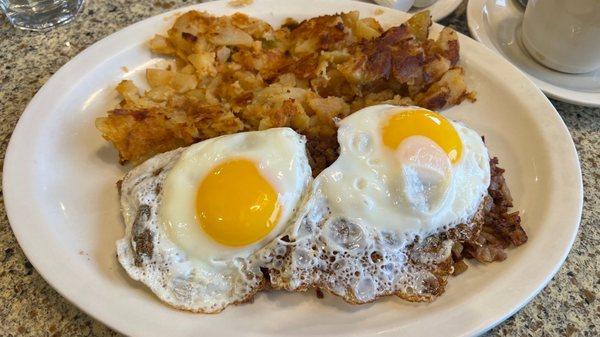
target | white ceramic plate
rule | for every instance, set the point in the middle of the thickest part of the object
(497, 24)
(440, 9)
(401, 5)
(60, 195)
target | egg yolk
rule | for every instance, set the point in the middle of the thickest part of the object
(236, 205)
(422, 122)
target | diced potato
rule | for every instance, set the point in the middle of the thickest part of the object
(159, 77)
(203, 63)
(447, 43)
(128, 90)
(160, 93)
(350, 18)
(436, 68)
(449, 90)
(305, 47)
(362, 30)
(160, 45)
(419, 25)
(223, 54)
(196, 95)
(336, 56)
(187, 69)
(132, 98)
(248, 81)
(179, 81)
(231, 36)
(374, 24)
(328, 108)
(288, 79)
(455, 81)
(300, 121)
(183, 82)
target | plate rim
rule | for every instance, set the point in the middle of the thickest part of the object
(475, 20)
(10, 185)
(436, 9)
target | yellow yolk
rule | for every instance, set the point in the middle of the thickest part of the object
(422, 122)
(236, 205)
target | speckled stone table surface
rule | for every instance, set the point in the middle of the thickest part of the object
(568, 306)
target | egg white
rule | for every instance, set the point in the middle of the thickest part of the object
(280, 156)
(361, 184)
(181, 265)
(354, 239)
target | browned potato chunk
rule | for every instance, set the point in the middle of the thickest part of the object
(159, 77)
(419, 25)
(161, 45)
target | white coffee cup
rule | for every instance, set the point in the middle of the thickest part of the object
(563, 34)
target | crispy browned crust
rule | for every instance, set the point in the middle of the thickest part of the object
(487, 241)
(327, 32)
(501, 229)
(248, 299)
(142, 237)
(396, 55)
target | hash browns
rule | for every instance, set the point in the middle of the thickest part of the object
(236, 73)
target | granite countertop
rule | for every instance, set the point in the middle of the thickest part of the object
(568, 306)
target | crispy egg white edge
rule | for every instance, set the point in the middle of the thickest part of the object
(304, 261)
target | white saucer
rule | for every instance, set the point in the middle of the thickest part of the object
(440, 9)
(497, 24)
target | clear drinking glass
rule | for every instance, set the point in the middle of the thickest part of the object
(40, 14)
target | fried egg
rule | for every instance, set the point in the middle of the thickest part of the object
(372, 222)
(196, 217)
